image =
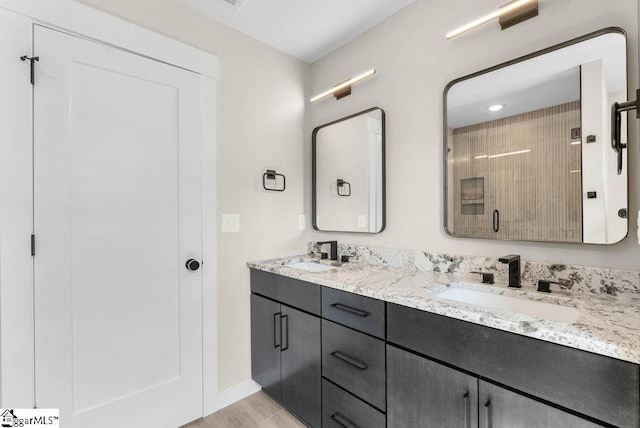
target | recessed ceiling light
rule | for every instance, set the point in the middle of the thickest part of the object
(496, 107)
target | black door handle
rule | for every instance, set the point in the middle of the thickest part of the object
(276, 344)
(192, 265)
(487, 409)
(496, 221)
(286, 332)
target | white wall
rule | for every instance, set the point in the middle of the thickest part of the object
(262, 96)
(262, 124)
(414, 62)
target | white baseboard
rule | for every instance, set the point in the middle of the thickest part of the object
(232, 395)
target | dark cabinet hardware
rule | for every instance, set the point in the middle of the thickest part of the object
(544, 285)
(591, 139)
(273, 175)
(341, 420)
(284, 333)
(350, 310)
(466, 409)
(513, 260)
(592, 195)
(334, 248)
(622, 213)
(616, 125)
(350, 360)
(344, 258)
(32, 60)
(276, 324)
(487, 277)
(192, 265)
(496, 221)
(487, 411)
(341, 184)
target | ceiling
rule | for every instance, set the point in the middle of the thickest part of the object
(540, 82)
(305, 29)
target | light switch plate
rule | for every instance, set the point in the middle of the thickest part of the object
(302, 222)
(362, 221)
(230, 223)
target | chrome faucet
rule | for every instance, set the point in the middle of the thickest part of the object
(513, 260)
(334, 248)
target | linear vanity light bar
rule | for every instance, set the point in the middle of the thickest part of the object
(503, 154)
(509, 154)
(507, 9)
(343, 85)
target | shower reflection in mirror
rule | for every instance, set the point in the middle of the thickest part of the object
(530, 139)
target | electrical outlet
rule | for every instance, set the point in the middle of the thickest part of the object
(230, 223)
(362, 221)
(302, 222)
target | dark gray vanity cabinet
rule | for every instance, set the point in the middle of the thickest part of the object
(501, 408)
(595, 386)
(266, 345)
(285, 346)
(354, 391)
(422, 393)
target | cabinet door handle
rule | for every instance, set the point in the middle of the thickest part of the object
(466, 409)
(487, 410)
(284, 318)
(351, 310)
(275, 330)
(350, 360)
(341, 420)
(496, 221)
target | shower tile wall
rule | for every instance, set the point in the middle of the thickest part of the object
(538, 193)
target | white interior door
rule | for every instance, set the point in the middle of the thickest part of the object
(117, 213)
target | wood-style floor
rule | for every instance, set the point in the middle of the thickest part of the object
(256, 411)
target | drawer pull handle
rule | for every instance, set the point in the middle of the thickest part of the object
(350, 310)
(341, 420)
(349, 360)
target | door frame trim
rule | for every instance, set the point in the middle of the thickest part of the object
(73, 17)
(83, 21)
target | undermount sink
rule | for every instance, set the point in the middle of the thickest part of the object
(310, 267)
(547, 311)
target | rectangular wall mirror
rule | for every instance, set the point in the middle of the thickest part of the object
(349, 174)
(527, 146)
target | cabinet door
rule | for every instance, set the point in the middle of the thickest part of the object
(422, 393)
(301, 387)
(266, 344)
(502, 408)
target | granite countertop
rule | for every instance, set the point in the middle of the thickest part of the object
(606, 325)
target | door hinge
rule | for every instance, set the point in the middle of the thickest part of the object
(33, 245)
(33, 61)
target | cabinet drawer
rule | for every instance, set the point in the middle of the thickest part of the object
(354, 361)
(358, 312)
(293, 292)
(500, 408)
(601, 387)
(340, 409)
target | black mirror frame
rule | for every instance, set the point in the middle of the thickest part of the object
(314, 170)
(445, 196)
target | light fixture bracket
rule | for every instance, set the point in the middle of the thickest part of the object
(342, 92)
(527, 11)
